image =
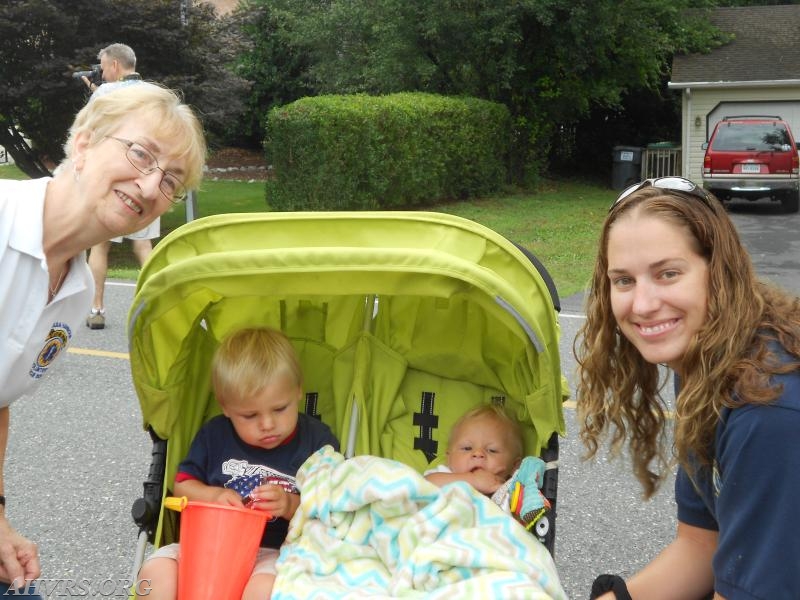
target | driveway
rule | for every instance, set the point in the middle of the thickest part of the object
(773, 240)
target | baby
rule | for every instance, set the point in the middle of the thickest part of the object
(485, 450)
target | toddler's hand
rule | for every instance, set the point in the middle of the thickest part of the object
(228, 497)
(274, 499)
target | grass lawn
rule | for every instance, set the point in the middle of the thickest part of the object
(11, 172)
(559, 223)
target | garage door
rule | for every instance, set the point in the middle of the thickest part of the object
(788, 110)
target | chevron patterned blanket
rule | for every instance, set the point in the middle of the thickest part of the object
(370, 527)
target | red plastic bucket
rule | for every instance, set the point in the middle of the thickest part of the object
(219, 544)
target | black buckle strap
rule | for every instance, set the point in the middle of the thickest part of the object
(427, 422)
(312, 407)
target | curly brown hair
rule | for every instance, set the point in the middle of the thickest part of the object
(729, 361)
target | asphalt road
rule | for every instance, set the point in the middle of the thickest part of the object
(78, 455)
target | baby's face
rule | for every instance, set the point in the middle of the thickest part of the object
(482, 443)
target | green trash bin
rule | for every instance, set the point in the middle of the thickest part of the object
(626, 166)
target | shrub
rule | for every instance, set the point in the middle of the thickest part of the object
(384, 152)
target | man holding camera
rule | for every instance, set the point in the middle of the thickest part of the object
(118, 67)
(117, 64)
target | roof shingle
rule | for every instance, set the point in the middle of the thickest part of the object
(765, 47)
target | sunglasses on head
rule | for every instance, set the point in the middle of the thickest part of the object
(677, 185)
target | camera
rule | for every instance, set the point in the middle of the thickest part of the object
(95, 75)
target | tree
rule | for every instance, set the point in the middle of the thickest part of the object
(35, 79)
(43, 42)
(271, 60)
(549, 61)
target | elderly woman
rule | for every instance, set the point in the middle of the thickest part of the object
(129, 155)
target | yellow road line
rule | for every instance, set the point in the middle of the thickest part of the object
(105, 353)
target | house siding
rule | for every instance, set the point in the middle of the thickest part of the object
(701, 102)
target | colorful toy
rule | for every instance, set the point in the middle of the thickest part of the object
(527, 503)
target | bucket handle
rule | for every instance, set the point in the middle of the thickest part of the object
(176, 503)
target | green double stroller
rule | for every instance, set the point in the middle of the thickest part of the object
(402, 320)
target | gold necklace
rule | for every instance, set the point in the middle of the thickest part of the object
(54, 289)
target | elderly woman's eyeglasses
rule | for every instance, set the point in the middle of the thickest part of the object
(669, 184)
(143, 160)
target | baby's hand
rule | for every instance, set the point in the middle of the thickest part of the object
(484, 481)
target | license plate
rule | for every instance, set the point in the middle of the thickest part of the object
(751, 168)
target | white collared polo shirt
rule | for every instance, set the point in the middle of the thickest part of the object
(33, 333)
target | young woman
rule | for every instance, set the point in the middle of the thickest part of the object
(674, 286)
(129, 155)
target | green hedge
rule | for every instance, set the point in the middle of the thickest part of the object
(384, 152)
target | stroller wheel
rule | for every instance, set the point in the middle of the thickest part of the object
(542, 527)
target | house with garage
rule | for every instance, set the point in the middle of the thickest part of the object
(756, 73)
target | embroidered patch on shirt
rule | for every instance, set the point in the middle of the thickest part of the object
(57, 340)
